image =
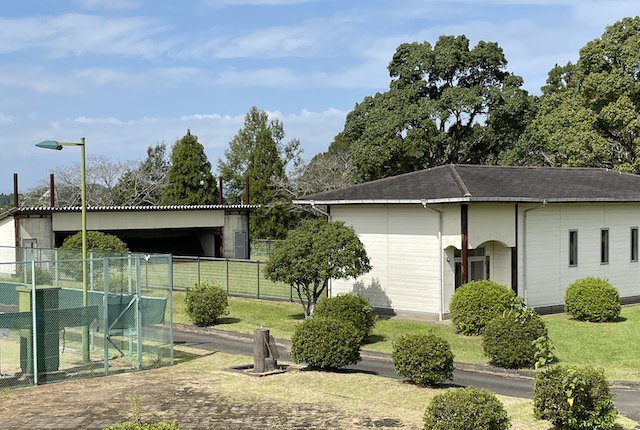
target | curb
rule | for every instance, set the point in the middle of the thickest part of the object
(382, 356)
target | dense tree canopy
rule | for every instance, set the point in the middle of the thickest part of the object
(235, 167)
(314, 253)
(589, 112)
(189, 179)
(445, 104)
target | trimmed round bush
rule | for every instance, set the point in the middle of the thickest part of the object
(96, 241)
(574, 398)
(476, 303)
(466, 409)
(205, 304)
(508, 339)
(592, 299)
(348, 307)
(325, 343)
(425, 359)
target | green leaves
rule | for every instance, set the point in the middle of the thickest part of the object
(313, 254)
(189, 180)
(446, 103)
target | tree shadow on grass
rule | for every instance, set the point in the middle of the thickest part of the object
(341, 371)
(297, 316)
(373, 338)
(227, 320)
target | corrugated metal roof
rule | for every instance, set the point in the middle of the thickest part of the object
(135, 208)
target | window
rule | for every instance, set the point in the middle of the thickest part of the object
(573, 247)
(634, 244)
(604, 246)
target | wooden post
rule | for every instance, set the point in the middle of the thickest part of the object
(260, 349)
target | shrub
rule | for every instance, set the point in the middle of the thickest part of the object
(574, 398)
(326, 343)
(466, 409)
(592, 299)
(476, 303)
(348, 307)
(423, 358)
(205, 304)
(508, 339)
(97, 241)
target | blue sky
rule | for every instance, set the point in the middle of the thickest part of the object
(127, 74)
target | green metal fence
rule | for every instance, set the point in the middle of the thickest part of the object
(237, 277)
(53, 326)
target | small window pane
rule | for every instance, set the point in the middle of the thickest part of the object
(604, 246)
(634, 243)
(573, 247)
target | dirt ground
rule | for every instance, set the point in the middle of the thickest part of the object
(171, 393)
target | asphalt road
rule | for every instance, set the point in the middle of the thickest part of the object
(627, 400)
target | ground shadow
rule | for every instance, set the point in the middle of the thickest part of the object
(341, 371)
(181, 356)
(373, 338)
(297, 316)
(227, 320)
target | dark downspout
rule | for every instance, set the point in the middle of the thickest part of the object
(464, 252)
(52, 189)
(514, 258)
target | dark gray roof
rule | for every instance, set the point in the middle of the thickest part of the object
(458, 183)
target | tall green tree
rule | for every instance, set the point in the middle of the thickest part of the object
(314, 253)
(589, 113)
(235, 165)
(274, 218)
(143, 184)
(446, 103)
(189, 179)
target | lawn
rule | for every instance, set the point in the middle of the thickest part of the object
(612, 346)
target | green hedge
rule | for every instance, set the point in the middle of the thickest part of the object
(423, 358)
(205, 304)
(574, 398)
(466, 409)
(348, 307)
(508, 339)
(326, 343)
(592, 299)
(476, 303)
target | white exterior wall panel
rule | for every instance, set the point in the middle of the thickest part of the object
(546, 271)
(490, 222)
(7, 245)
(403, 244)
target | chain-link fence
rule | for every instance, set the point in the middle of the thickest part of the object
(62, 317)
(237, 277)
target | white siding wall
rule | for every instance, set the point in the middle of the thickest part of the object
(544, 249)
(491, 221)
(403, 244)
(7, 246)
(500, 257)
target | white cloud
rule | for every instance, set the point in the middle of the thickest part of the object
(108, 4)
(77, 34)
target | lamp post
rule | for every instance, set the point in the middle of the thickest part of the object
(53, 144)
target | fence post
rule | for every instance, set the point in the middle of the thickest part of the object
(198, 262)
(258, 270)
(170, 300)
(227, 281)
(34, 308)
(105, 313)
(138, 316)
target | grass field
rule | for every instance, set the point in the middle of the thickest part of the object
(612, 346)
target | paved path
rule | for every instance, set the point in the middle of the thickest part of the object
(506, 382)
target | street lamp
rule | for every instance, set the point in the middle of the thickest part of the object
(53, 144)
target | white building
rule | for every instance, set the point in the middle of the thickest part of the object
(535, 230)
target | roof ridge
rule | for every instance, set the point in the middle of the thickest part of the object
(458, 180)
